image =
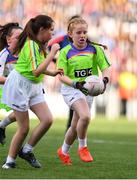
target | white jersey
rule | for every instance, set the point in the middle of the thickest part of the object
(7, 61)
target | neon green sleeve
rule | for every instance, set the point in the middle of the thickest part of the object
(102, 60)
(29, 59)
(35, 57)
(62, 61)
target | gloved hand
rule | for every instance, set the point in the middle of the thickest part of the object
(105, 81)
(80, 86)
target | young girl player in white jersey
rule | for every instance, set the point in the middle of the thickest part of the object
(9, 34)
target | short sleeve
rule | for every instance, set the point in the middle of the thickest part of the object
(102, 60)
(62, 61)
(34, 53)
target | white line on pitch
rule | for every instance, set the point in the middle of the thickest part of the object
(99, 141)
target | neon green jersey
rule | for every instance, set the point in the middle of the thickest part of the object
(78, 64)
(29, 59)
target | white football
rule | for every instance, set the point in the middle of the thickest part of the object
(94, 84)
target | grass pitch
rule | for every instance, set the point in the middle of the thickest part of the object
(113, 145)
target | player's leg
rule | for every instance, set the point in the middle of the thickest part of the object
(84, 117)
(82, 126)
(43, 113)
(71, 134)
(17, 140)
(79, 125)
(79, 103)
(69, 119)
(45, 117)
(3, 124)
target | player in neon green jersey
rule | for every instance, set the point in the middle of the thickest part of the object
(23, 88)
(64, 41)
(78, 60)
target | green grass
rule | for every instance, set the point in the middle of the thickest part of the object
(113, 145)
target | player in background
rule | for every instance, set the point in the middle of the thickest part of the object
(9, 34)
(78, 60)
(26, 83)
(63, 41)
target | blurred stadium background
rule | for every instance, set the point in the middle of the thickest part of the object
(112, 22)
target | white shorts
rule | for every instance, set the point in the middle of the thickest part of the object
(71, 95)
(20, 94)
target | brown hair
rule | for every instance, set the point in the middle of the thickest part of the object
(5, 31)
(31, 30)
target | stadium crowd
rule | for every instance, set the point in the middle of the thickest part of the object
(112, 23)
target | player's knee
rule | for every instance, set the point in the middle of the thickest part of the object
(85, 120)
(73, 128)
(49, 121)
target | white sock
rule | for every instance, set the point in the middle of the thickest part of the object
(65, 148)
(10, 159)
(27, 148)
(82, 142)
(5, 122)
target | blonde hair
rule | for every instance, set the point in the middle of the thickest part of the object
(79, 20)
(74, 22)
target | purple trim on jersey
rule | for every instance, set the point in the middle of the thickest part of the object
(10, 57)
(80, 52)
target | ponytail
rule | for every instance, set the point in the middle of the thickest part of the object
(31, 30)
(98, 44)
